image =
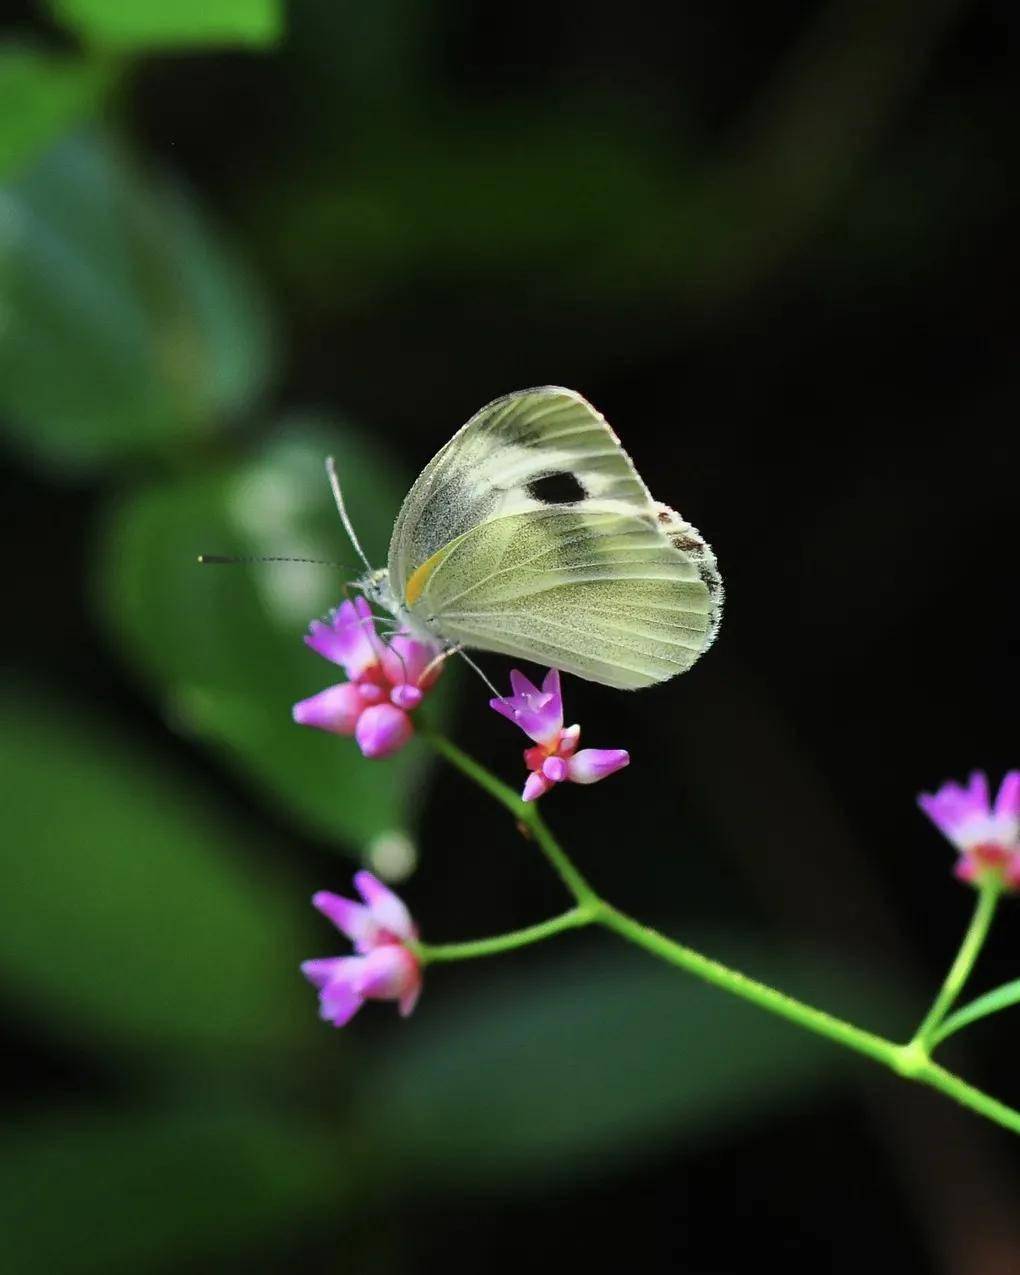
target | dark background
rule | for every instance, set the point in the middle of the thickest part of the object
(772, 245)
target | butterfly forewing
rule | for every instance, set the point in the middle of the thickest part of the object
(493, 466)
(598, 584)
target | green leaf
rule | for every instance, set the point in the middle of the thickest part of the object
(84, 1193)
(125, 328)
(155, 24)
(41, 96)
(1001, 998)
(130, 908)
(600, 1056)
(222, 648)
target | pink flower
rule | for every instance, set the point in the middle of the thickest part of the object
(348, 638)
(382, 729)
(986, 834)
(384, 969)
(388, 679)
(554, 757)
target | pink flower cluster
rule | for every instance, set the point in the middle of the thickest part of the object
(384, 969)
(985, 833)
(387, 680)
(554, 757)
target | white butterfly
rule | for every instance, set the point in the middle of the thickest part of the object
(531, 534)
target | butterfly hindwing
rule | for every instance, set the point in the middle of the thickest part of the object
(601, 595)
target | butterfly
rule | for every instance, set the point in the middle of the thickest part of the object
(532, 535)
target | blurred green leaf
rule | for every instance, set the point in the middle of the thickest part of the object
(520, 193)
(148, 24)
(41, 95)
(1004, 997)
(83, 1192)
(125, 327)
(604, 1056)
(222, 646)
(129, 908)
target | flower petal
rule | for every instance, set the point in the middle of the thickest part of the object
(522, 687)
(407, 697)
(534, 786)
(335, 709)
(389, 973)
(539, 713)
(352, 919)
(408, 1001)
(405, 659)
(386, 909)
(592, 764)
(323, 969)
(961, 814)
(1007, 803)
(554, 769)
(382, 730)
(348, 638)
(339, 1002)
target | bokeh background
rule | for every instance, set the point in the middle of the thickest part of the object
(771, 243)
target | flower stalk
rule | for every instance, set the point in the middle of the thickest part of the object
(959, 971)
(911, 1061)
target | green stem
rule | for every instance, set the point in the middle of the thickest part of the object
(749, 989)
(502, 792)
(953, 1087)
(525, 812)
(572, 920)
(959, 971)
(912, 1061)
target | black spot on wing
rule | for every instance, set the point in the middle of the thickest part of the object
(556, 489)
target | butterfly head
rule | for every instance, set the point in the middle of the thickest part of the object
(375, 585)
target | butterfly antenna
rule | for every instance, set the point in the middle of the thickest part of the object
(224, 560)
(338, 496)
(471, 664)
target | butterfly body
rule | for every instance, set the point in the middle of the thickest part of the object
(531, 534)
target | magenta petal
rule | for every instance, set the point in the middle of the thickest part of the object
(554, 769)
(521, 686)
(551, 687)
(539, 713)
(592, 764)
(977, 790)
(348, 638)
(409, 999)
(406, 697)
(388, 973)
(335, 709)
(382, 730)
(962, 815)
(323, 640)
(535, 786)
(323, 969)
(1007, 803)
(405, 659)
(505, 708)
(387, 910)
(350, 918)
(338, 1003)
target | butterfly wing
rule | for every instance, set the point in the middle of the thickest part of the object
(489, 468)
(602, 595)
(607, 585)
